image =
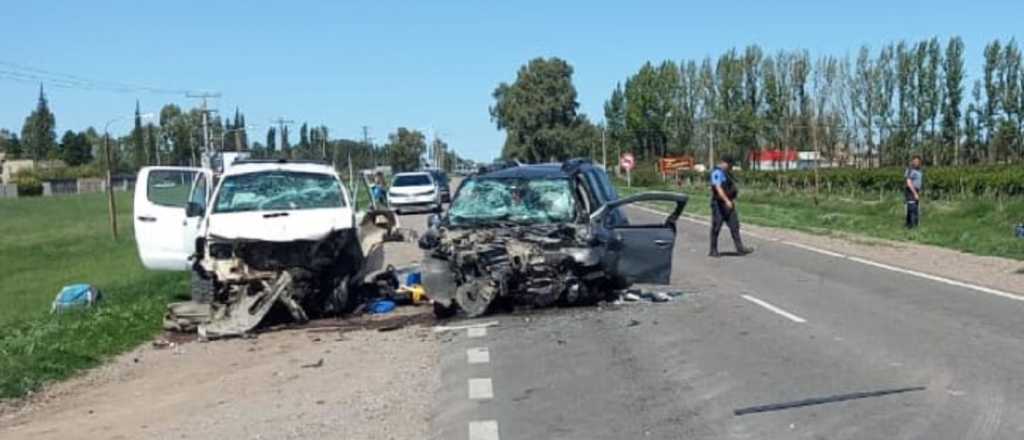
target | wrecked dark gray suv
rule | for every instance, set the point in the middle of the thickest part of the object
(541, 235)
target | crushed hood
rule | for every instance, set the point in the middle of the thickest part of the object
(306, 224)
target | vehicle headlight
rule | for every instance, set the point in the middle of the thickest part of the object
(424, 193)
(222, 251)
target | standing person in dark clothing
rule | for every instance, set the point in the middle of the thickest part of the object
(723, 207)
(912, 186)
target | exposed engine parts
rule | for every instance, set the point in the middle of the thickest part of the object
(309, 278)
(538, 265)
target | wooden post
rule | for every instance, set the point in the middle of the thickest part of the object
(111, 205)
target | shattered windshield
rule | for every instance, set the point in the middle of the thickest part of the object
(278, 190)
(513, 200)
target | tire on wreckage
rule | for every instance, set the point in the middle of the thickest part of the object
(475, 297)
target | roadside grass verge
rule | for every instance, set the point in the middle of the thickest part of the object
(978, 225)
(53, 241)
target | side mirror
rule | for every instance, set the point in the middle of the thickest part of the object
(193, 209)
(433, 221)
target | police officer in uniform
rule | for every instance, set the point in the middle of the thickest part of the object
(723, 207)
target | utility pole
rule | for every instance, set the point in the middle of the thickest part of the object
(604, 150)
(817, 158)
(323, 141)
(111, 207)
(205, 160)
(281, 122)
(711, 148)
(366, 141)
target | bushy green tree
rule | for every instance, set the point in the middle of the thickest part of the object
(405, 148)
(75, 149)
(537, 110)
(9, 144)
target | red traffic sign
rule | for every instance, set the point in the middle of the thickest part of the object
(627, 161)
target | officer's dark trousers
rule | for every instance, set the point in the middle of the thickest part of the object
(720, 214)
(913, 214)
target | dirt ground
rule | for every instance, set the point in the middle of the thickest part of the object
(346, 383)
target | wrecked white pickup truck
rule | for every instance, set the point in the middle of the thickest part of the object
(262, 233)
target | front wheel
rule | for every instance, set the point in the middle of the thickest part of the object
(475, 298)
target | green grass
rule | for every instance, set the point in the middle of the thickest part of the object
(53, 241)
(979, 225)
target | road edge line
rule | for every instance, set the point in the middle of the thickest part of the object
(927, 276)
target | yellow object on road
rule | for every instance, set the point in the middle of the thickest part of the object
(418, 293)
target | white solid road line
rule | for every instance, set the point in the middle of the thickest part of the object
(481, 388)
(483, 430)
(939, 279)
(476, 332)
(478, 355)
(927, 276)
(813, 249)
(775, 309)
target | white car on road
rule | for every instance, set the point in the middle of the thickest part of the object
(414, 190)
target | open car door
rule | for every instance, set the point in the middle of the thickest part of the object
(161, 195)
(642, 253)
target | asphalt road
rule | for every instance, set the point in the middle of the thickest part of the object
(782, 325)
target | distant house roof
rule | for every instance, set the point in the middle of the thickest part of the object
(772, 155)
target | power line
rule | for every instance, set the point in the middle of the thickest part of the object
(27, 74)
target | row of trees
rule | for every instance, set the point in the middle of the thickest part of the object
(880, 108)
(177, 139)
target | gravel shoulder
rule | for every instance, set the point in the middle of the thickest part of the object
(352, 383)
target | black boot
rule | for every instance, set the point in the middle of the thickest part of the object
(743, 250)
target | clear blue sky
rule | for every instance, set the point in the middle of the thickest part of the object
(425, 63)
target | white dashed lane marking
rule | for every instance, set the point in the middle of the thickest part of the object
(775, 309)
(478, 355)
(481, 389)
(483, 430)
(477, 332)
(446, 328)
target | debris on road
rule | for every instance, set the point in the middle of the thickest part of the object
(381, 306)
(316, 364)
(447, 328)
(161, 344)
